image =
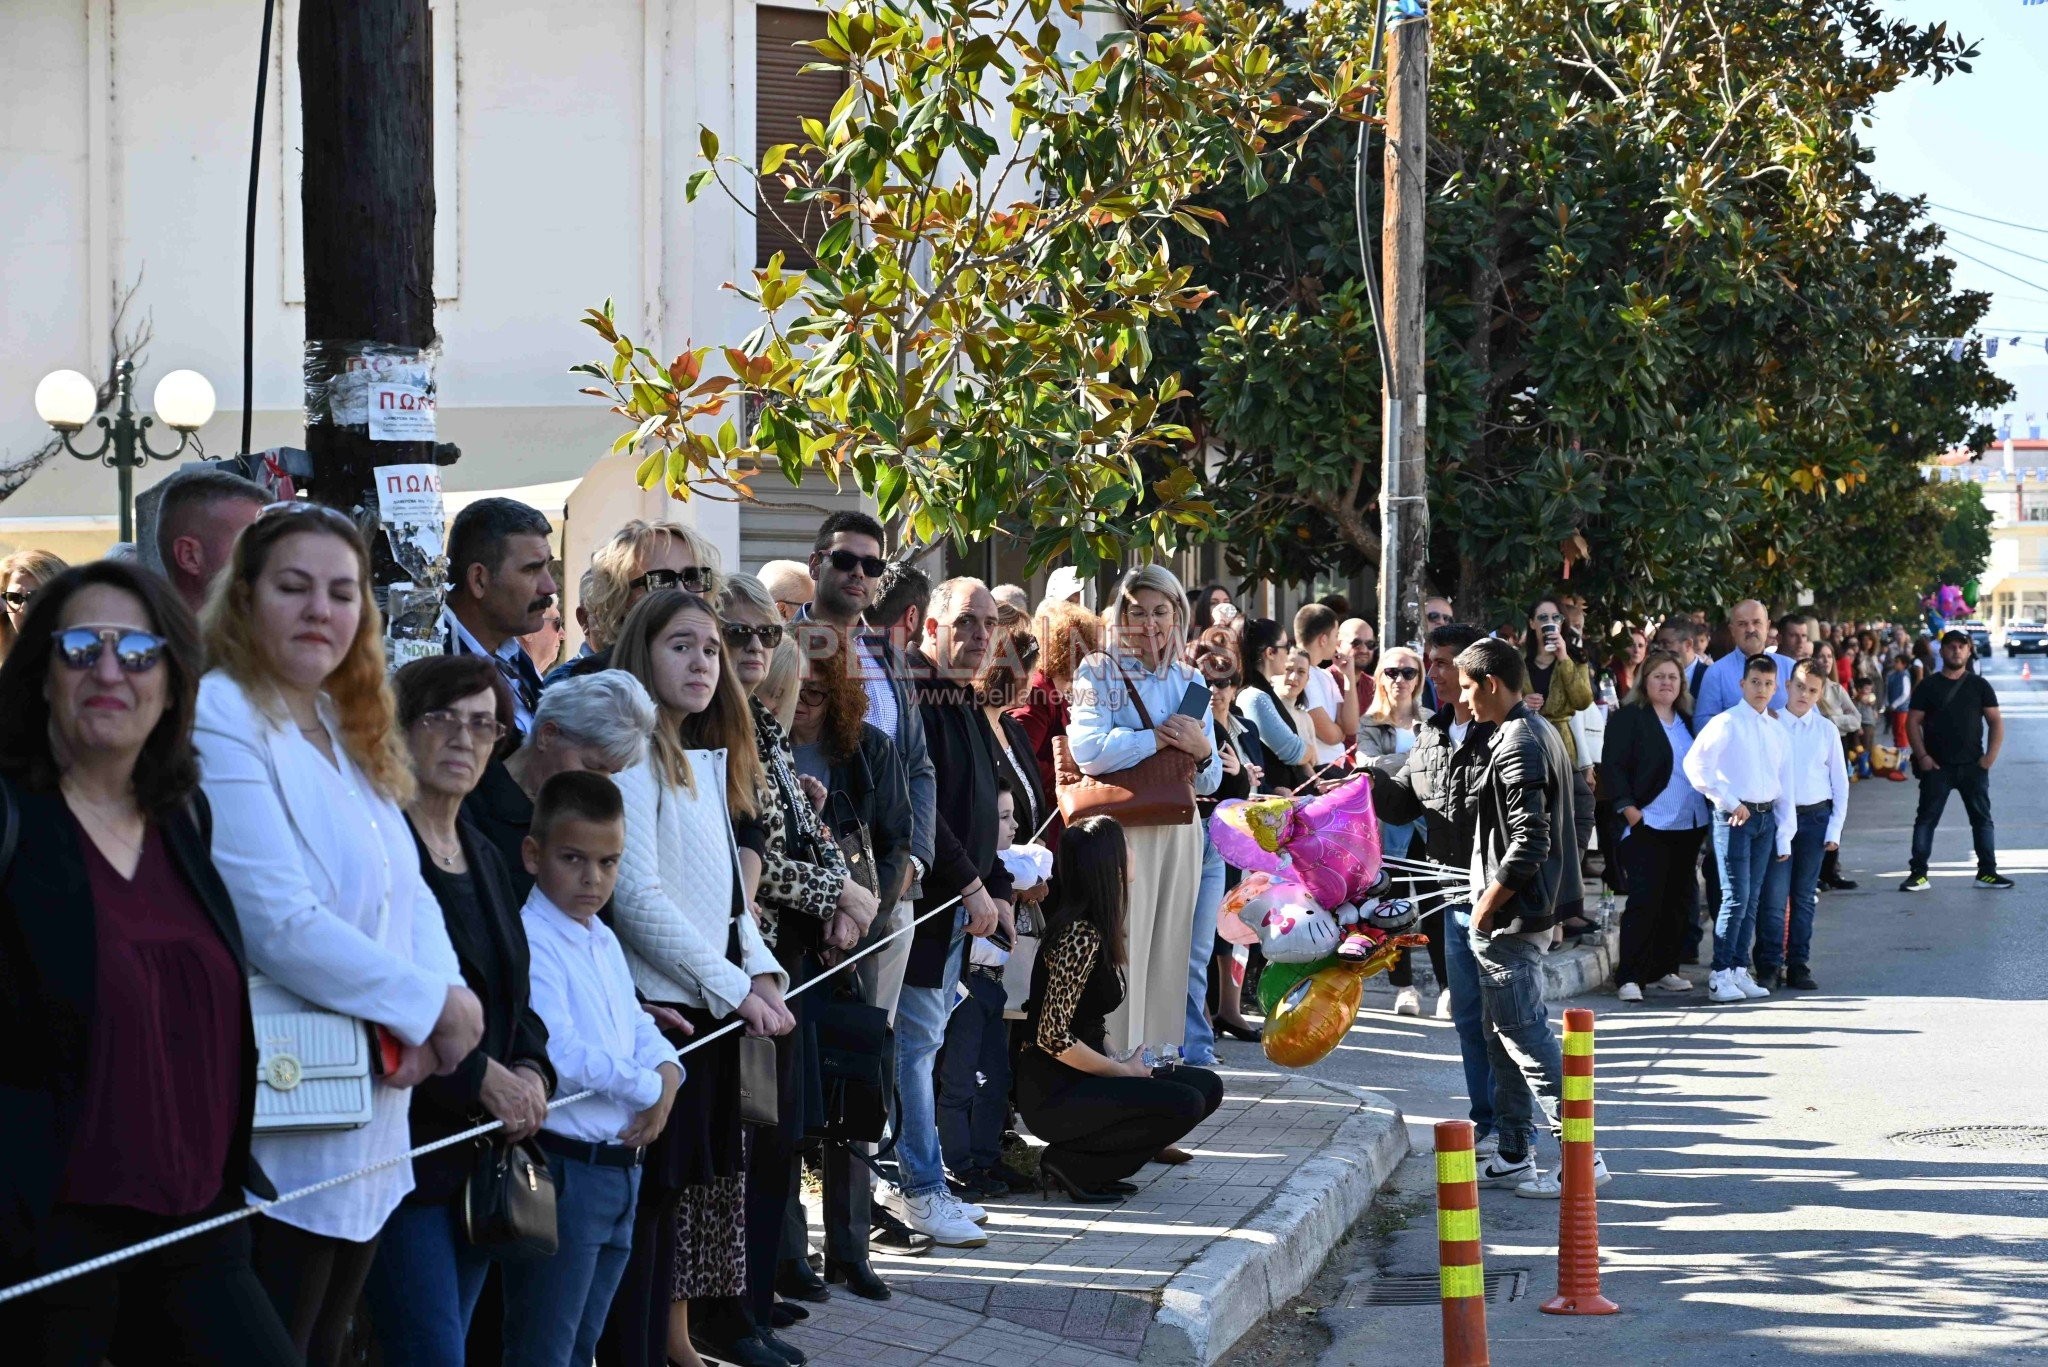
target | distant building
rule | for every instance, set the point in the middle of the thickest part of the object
(2014, 585)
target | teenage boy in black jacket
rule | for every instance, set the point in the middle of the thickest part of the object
(1522, 844)
(1437, 779)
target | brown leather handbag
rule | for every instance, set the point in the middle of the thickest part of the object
(1158, 790)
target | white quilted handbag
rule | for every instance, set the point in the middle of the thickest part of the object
(313, 1066)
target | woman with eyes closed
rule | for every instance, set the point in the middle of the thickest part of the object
(306, 769)
(681, 915)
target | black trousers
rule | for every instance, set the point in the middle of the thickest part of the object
(197, 1302)
(1103, 1129)
(315, 1282)
(1662, 900)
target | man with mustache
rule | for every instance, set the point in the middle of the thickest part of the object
(500, 586)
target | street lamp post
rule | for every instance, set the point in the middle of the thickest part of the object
(67, 401)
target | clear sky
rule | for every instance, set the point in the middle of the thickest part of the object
(1976, 144)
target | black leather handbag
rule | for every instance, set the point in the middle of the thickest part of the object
(851, 835)
(508, 1204)
(857, 1061)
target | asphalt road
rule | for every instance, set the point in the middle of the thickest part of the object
(1764, 1207)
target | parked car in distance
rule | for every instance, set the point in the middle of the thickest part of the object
(2025, 638)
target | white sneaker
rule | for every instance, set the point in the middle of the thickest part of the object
(1722, 987)
(968, 1209)
(1486, 1147)
(937, 1216)
(1547, 1186)
(1498, 1172)
(1673, 982)
(1443, 1005)
(1751, 988)
(1629, 992)
(1407, 1002)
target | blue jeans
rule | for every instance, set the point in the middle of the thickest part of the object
(423, 1288)
(974, 1077)
(1798, 877)
(1527, 1060)
(1199, 1045)
(555, 1308)
(1972, 782)
(1461, 979)
(921, 1014)
(1743, 854)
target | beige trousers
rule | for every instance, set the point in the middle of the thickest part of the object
(1166, 876)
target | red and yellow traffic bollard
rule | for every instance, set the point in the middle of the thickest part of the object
(1457, 1246)
(1578, 1216)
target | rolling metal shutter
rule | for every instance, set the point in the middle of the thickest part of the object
(784, 98)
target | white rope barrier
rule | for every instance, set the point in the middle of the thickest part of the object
(121, 1255)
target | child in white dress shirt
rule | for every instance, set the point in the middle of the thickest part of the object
(599, 1039)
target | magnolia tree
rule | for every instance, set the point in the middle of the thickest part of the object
(972, 345)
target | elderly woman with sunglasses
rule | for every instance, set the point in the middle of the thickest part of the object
(307, 771)
(423, 1288)
(131, 1062)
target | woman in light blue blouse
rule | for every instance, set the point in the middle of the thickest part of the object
(1264, 655)
(1111, 731)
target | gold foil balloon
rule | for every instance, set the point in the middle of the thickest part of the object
(1313, 1016)
(1313, 1013)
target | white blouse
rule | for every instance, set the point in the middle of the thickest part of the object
(672, 908)
(327, 888)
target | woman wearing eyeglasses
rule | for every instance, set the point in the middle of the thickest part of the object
(307, 771)
(641, 558)
(807, 899)
(130, 1070)
(1388, 728)
(424, 1285)
(21, 574)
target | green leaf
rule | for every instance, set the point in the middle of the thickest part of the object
(707, 143)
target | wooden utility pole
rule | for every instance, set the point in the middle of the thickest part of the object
(1404, 498)
(366, 71)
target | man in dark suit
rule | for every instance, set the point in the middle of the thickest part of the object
(500, 585)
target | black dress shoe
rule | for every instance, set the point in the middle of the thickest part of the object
(750, 1351)
(857, 1277)
(795, 1280)
(891, 1233)
(1121, 1188)
(1840, 884)
(1798, 978)
(791, 1354)
(783, 1314)
(1250, 1034)
(1009, 1177)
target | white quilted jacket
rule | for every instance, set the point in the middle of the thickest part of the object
(674, 899)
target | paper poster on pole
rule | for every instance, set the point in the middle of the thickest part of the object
(401, 412)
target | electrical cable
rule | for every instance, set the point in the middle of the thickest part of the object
(1996, 246)
(1987, 218)
(249, 235)
(1367, 110)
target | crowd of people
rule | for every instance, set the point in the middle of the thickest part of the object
(590, 899)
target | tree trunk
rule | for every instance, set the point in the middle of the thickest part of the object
(366, 71)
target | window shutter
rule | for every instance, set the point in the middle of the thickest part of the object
(784, 98)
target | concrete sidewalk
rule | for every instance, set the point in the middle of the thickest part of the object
(1175, 1274)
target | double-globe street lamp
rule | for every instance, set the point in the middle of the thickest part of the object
(68, 400)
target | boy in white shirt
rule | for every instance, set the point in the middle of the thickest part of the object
(1818, 795)
(599, 1039)
(1330, 697)
(1739, 763)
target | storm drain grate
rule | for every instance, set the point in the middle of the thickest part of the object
(1427, 1290)
(1978, 1137)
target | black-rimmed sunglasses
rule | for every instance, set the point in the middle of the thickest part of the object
(846, 562)
(1400, 672)
(737, 634)
(81, 647)
(15, 598)
(691, 578)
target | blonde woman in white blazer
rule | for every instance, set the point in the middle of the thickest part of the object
(301, 761)
(681, 914)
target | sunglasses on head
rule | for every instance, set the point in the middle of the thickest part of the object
(1400, 672)
(306, 507)
(81, 647)
(846, 562)
(737, 634)
(692, 578)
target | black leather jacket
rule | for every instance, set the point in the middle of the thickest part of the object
(1438, 779)
(868, 787)
(1525, 838)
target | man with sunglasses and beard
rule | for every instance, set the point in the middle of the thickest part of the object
(500, 587)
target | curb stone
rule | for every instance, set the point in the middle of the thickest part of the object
(1237, 1282)
(1582, 968)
